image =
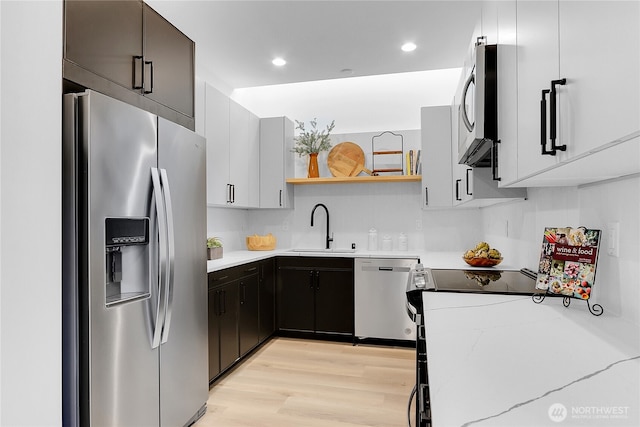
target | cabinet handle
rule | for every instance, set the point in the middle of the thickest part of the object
(135, 72)
(494, 161)
(233, 193)
(150, 64)
(552, 101)
(311, 279)
(229, 193)
(244, 293)
(224, 302)
(458, 181)
(251, 269)
(543, 123)
(317, 280)
(426, 196)
(280, 198)
(467, 182)
(218, 303)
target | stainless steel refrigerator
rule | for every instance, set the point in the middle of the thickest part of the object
(134, 267)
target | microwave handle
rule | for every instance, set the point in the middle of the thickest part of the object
(463, 105)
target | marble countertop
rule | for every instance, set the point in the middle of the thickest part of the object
(428, 259)
(502, 360)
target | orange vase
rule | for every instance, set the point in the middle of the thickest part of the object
(313, 166)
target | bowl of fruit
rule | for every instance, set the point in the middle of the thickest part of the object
(482, 256)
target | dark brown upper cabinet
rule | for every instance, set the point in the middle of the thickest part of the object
(128, 51)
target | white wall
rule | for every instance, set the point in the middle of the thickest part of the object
(617, 286)
(30, 213)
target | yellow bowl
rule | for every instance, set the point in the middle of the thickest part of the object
(482, 262)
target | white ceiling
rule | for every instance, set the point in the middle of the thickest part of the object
(236, 41)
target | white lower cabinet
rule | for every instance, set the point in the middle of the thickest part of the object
(276, 162)
(233, 156)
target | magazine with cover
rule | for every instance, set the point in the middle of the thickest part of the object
(568, 261)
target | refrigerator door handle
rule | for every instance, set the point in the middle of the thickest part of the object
(162, 232)
(172, 254)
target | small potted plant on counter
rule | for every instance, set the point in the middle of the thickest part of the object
(214, 248)
(311, 143)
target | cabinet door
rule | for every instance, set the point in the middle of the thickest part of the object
(248, 319)
(601, 99)
(239, 153)
(276, 162)
(435, 134)
(538, 64)
(334, 301)
(295, 293)
(507, 93)
(229, 350)
(217, 134)
(214, 333)
(252, 161)
(267, 299)
(104, 37)
(170, 54)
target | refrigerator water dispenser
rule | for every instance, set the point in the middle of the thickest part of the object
(126, 259)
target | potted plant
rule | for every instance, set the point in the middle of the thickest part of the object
(214, 248)
(311, 142)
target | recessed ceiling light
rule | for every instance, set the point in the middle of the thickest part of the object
(278, 62)
(408, 47)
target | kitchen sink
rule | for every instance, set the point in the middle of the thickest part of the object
(334, 251)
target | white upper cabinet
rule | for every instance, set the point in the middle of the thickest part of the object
(600, 58)
(435, 134)
(537, 66)
(217, 134)
(587, 53)
(276, 162)
(232, 134)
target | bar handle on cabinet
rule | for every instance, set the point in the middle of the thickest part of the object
(543, 123)
(311, 279)
(244, 293)
(494, 161)
(135, 72)
(280, 199)
(426, 196)
(458, 181)
(553, 125)
(317, 280)
(233, 193)
(150, 64)
(467, 181)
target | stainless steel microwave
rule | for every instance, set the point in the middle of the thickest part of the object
(478, 107)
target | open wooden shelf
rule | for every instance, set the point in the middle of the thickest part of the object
(355, 179)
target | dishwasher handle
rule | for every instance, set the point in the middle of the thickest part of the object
(396, 269)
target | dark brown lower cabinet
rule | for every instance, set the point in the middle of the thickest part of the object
(315, 295)
(240, 300)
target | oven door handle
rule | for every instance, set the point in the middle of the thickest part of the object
(412, 312)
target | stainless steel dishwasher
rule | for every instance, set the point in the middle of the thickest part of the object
(380, 299)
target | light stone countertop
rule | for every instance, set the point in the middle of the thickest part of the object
(503, 360)
(428, 259)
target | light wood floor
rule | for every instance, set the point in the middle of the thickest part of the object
(302, 383)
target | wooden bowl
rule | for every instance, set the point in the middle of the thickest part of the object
(482, 262)
(261, 243)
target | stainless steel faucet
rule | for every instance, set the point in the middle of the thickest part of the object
(328, 238)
